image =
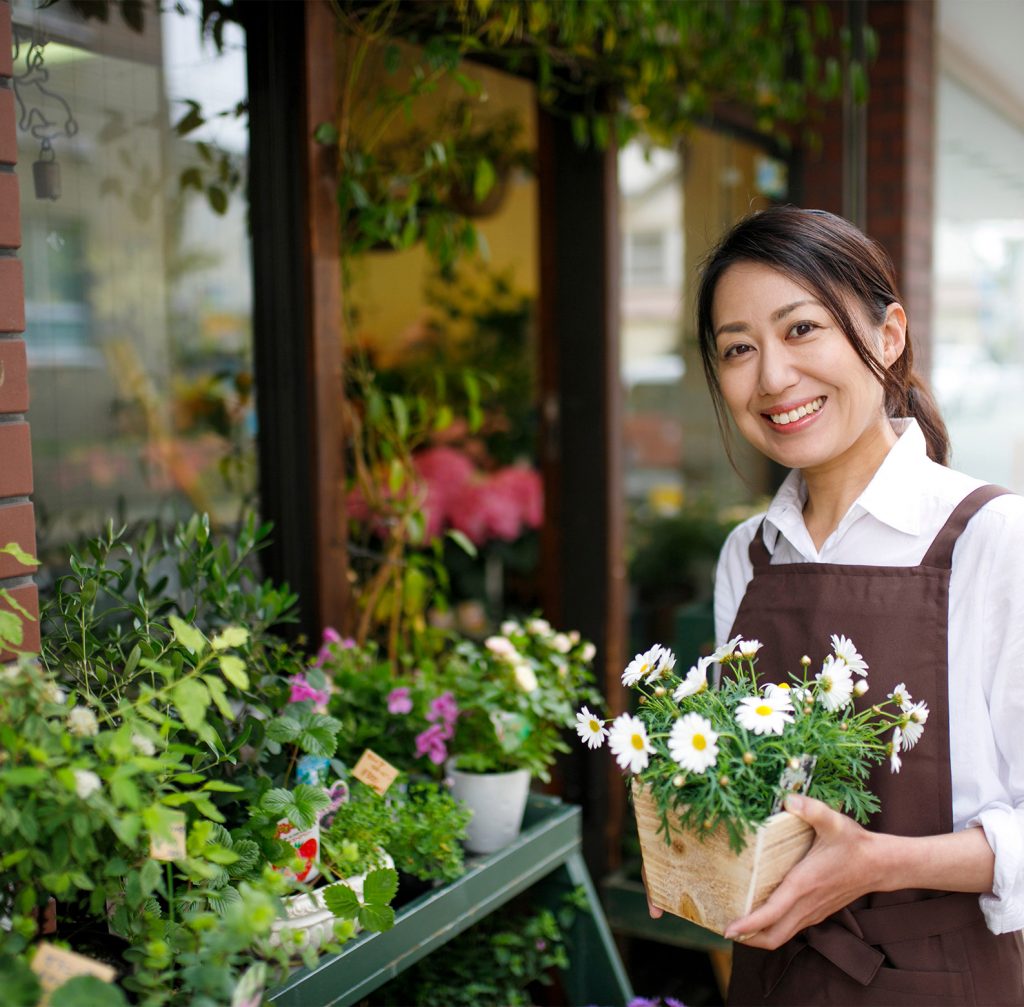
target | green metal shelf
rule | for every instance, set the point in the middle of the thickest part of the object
(546, 856)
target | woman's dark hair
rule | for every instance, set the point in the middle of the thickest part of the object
(832, 259)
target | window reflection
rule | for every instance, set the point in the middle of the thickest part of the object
(137, 276)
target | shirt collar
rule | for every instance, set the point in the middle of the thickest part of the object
(893, 496)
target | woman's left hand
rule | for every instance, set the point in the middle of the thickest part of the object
(838, 868)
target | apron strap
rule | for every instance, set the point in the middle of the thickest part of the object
(759, 555)
(940, 552)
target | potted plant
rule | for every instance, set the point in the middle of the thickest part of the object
(512, 699)
(710, 767)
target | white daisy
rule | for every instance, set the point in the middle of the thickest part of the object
(628, 742)
(748, 648)
(765, 715)
(894, 750)
(835, 685)
(726, 650)
(900, 696)
(696, 679)
(847, 652)
(665, 663)
(590, 729)
(913, 724)
(783, 689)
(641, 666)
(692, 743)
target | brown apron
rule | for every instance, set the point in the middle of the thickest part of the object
(903, 948)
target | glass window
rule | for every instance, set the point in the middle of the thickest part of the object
(132, 145)
(681, 491)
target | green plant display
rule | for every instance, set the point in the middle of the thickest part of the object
(492, 964)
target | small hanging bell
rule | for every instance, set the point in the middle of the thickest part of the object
(46, 174)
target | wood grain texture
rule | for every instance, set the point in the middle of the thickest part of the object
(704, 881)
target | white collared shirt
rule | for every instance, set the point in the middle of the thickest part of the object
(892, 523)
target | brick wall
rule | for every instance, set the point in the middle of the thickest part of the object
(17, 520)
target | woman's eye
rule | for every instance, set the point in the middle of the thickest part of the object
(736, 350)
(802, 328)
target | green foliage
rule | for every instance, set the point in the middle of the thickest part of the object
(372, 909)
(492, 964)
(12, 613)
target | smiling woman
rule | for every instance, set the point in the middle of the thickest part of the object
(807, 350)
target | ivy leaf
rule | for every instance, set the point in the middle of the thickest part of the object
(191, 698)
(11, 628)
(342, 901)
(14, 550)
(380, 885)
(233, 669)
(188, 636)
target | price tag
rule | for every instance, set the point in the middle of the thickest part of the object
(171, 846)
(55, 966)
(374, 771)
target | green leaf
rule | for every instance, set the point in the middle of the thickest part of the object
(326, 133)
(381, 885)
(191, 698)
(233, 669)
(484, 178)
(464, 543)
(218, 199)
(23, 776)
(230, 636)
(14, 550)
(87, 991)
(377, 918)
(218, 692)
(342, 901)
(187, 635)
(11, 630)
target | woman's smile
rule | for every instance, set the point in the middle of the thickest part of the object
(790, 417)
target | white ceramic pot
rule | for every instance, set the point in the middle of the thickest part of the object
(307, 912)
(497, 801)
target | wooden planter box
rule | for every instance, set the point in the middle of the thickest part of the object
(704, 881)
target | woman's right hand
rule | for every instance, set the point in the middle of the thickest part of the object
(654, 911)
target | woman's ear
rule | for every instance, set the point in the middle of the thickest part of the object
(894, 333)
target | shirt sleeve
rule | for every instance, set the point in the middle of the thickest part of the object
(732, 576)
(1002, 678)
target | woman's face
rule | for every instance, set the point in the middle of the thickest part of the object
(795, 386)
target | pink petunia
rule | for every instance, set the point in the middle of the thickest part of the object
(431, 743)
(399, 700)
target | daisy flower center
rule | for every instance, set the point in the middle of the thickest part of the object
(595, 726)
(763, 710)
(700, 742)
(637, 742)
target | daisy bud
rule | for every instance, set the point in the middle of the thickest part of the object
(844, 726)
(706, 824)
(723, 781)
(679, 780)
(808, 708)
(805, 661)
(660, 691)
(793, 763)
(643, 699)
(860, 687)
(748, 758)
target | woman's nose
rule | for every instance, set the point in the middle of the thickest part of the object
(777, 372)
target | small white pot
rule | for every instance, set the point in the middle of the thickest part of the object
(307, 912)
(497, 801)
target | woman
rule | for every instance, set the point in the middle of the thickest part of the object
(806, 347)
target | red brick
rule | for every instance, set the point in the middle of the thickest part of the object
(6, 48)
(17, 524)
(8, 131)
(10, 210)
(15, 460)
(13, 376)
(27, 596)
(12, 296)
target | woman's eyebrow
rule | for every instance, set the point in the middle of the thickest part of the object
(776, 316)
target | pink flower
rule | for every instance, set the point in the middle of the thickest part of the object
(302, 691)
(332, 638)
(431, 743)
(444, 471)
(399, 700)
(523, 484)
(443, 708)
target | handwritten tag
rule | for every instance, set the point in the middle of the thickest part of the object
(795, 780)
(171, 846)
(55, 966)
(374, 771)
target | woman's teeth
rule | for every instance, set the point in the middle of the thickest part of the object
(797, 414)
